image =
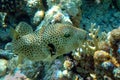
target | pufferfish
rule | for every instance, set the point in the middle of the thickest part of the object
(46, 43)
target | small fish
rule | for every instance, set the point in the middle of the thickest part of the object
(47, 43)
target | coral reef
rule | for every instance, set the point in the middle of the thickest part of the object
(16, 76)
(114, 38)
(55, 15)
(72, 7)
(116, 73)
(93, 61)
(6, 54)
(104, 63)
(38, 17)
(46, 45)
(3, 67)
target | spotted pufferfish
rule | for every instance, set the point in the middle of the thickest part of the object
(47, 43)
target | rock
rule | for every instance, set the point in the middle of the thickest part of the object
(116, 73)
(6, 54)
(3, 66)
(38, 17)
(107, 65)
(4, 35)
(8, 46)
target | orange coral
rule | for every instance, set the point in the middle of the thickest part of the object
(101, 56)
(68, 64)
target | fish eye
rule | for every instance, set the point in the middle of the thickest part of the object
(67, 35)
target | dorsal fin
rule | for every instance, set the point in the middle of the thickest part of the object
(23, 28)
(41, 30)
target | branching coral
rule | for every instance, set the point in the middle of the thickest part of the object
(95, 42)
(95, 51)
(85, 63)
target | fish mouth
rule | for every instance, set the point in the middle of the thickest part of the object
(52, 49)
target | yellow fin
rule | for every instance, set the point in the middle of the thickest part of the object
(14, 34)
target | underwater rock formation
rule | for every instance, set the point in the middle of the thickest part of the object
(45, 31)
(3, 67)
(6, 54)
(116, 73)
(16, 76)
(67, 5)
(38, 17)
(114, 42)
(114, 39)
(55, 15)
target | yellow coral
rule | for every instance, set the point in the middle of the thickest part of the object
(94, 44)
(68, 64)
(101, 56)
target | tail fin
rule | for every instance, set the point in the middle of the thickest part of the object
(14, 34)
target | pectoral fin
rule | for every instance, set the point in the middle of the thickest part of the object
(52, 49)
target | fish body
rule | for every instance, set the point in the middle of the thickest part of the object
(11, 5)
(48, 42)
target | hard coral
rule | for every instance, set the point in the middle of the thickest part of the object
(107, 65)
(114, 39)
(71, 7)
(38, 17)
(17, 76)
(3, 67)
(116, 73)
(102, 56)
(68, 64)
(104, 64)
